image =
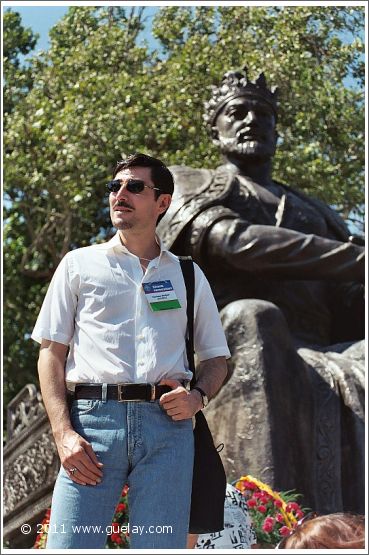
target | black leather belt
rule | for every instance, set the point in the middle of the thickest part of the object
(122, 392)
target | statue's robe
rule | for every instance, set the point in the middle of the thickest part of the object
(292, 410)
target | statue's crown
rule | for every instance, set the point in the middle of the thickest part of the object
(235, 84)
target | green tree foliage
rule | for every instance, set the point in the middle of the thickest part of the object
(17, 83)
(100, 93)
(302, 50)
(17, 40)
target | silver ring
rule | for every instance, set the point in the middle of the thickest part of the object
(72, 470)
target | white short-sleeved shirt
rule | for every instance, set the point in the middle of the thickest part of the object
(96, 304)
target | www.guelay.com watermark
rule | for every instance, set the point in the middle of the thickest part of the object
(93, 529)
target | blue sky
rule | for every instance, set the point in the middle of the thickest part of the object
(41, 18)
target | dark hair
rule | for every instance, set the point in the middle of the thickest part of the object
(160, 175)
(334, 531)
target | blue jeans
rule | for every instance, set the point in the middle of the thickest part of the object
(142, 446)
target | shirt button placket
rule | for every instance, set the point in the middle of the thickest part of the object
(139, 325)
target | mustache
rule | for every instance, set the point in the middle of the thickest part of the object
(241, 133)
(123, 204)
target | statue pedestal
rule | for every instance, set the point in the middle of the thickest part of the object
(31, 464)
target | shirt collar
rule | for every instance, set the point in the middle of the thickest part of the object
(115, 242)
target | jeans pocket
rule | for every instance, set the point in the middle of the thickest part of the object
(84, 406)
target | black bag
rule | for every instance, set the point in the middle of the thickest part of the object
(209, 480)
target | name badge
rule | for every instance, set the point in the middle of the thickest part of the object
(161, 295)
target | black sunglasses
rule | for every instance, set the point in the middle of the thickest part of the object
(308, 516)
(135, 186)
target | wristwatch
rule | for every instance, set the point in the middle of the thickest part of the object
(204, 397)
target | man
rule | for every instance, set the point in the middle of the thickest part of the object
(120, 309)
(289, 280)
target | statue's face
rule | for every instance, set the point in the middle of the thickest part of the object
(246, 128)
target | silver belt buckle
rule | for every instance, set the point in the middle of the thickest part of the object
(121, 387)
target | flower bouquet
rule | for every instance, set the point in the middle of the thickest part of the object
(119, 536)
(40, 542)
(274, 514)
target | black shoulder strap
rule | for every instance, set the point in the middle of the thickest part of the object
(189, 279)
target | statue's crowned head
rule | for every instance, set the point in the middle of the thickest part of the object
(237, 84)
(242, 115)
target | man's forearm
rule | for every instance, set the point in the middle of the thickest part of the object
(211, 375)
(180, 403)
(52, 383)
(75, 452)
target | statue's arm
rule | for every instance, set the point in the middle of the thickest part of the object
(282, 253)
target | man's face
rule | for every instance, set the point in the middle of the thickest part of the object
(136, 211)
(246, 128)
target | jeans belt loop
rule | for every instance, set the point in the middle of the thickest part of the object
(152, 393)
(104, 392)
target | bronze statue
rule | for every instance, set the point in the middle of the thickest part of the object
(288, 279)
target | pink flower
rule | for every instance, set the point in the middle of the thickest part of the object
(261, 509)
(268, 526)
(120, 507)
(249, 485)
(279, 518)
(115, 529)
(125, 491)
(284, 531)
(251, 503)
(299, 514)
(277, 503)
(292, 506)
